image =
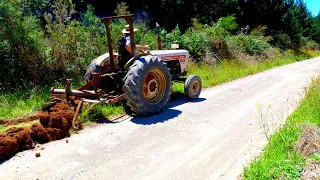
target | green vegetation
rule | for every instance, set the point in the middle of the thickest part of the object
(23, 102)
(99, 112)
(41, 42)
(279, 159)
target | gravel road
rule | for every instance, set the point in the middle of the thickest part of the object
(213, 137)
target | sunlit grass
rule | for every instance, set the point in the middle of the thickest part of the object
(22, 103)
(98, 112)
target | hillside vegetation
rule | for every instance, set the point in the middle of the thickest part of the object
(44, 41)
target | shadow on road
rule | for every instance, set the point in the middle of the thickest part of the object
(167, 114)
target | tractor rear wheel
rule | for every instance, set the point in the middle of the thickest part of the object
(147, 86)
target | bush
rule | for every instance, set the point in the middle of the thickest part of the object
(195, 42)
(22, 46)
(308, 44)
(174, 37)
(283, 41)
(72, 44)
(253, 43)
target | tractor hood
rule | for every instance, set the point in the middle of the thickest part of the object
(166, 53)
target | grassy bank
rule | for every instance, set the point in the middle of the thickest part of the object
(23, 102)
(279, 159)
(26, 102)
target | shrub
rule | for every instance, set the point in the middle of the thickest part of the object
(251, 44)
(149, 38)
(174, 37)
(195, 42)
(72, 44)
(216, 34)
(308, 44)
(22, 46)
(283, 41)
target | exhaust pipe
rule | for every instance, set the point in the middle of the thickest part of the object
(159, 36)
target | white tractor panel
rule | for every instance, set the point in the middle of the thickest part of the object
(173, 55)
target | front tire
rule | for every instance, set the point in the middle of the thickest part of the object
(192, 87)
(147, 86)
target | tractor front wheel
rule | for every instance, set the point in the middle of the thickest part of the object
(192, 87)
(147, 86)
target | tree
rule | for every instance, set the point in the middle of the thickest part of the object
(297, 22)
(315, 29)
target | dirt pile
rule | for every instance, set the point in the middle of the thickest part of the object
(55, 123)
(309, 141)
(308, 144)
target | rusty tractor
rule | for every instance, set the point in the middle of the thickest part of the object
(143, 79)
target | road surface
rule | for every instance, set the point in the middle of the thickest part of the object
(213, 137)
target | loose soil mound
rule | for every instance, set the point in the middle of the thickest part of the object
(56, 120)
(309, 141)
(309, 144)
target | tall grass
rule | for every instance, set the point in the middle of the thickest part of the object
(23, 102)
(279, 159)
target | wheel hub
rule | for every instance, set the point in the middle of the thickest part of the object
(152, 89)
(154, 86)
(195, 87)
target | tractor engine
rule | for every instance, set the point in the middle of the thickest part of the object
(176, 60)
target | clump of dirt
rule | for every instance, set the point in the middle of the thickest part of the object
(309, 141)
(55, 123)
(8, 145)
(308, 144)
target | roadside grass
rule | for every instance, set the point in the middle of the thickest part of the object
(28, 101)
(279, 159)
(230, 70)
(22, 103)
(99, 112)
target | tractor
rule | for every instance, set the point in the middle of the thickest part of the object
(144, 80)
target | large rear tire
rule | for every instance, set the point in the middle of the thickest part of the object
(147, 86)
